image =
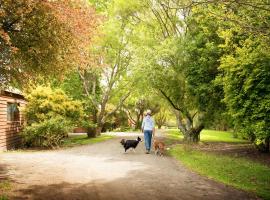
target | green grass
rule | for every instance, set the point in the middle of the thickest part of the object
(3, 197)
(238, 172)
(5, 187)
(208, 136)
(77, 140)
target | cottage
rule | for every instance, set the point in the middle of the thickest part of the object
(11, 118)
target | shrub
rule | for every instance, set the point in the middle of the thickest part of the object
(47, 133)
(50, 114)
(45, 103)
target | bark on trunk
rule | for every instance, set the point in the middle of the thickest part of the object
(91, 133)
(193, 135)
(98, 130)
(94, 132)
(139, 121)
(138, 125)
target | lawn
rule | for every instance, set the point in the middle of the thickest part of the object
(208, 136)
(238, 172)
(76, 140)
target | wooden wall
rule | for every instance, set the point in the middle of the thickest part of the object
(9, 131)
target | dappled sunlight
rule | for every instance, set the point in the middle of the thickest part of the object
(57, 168)
(103, 171)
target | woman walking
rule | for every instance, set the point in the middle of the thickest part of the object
(148, 128)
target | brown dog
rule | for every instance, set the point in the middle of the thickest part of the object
(159, 147)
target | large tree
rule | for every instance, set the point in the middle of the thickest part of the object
(106, 80)
(177, 52)
(42, 37)
(243, 53)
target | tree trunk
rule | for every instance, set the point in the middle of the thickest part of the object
(267, 144)
(94, 132)
(193, 135)
(98, 130)
(91, 133)
(138, 125)
(139, 118)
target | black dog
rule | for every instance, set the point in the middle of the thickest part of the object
(130, 143)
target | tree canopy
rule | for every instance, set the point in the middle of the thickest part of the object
(42, 37)
(208, 60)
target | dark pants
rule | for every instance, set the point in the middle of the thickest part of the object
(147, 139)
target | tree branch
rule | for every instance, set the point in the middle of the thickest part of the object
(130, 116)
(86, 89)
(194, 115)
(184, 112)
(181, 126)
(85, 86)
(170, 101)
(121, 101)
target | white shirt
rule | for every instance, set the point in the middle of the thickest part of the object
(148, 123)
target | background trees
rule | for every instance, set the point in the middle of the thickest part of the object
(209, 60)
(104, 80)
(184, 48)
(239, 60)
(135, 108)
(178, 58)
(245, 68)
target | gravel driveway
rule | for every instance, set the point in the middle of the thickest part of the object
(102, 171)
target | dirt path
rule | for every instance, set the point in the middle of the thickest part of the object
(102, 171)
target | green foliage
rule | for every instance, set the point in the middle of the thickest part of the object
(73, 86)
(136, 106)
(246, 70)
(181, 68)
(45, 103)
(104, 82)
(237, 172)
(50, 114)
(3, 197)
(246, 85)
(5, 187)
(161, 117)
(117, 120)
(40, 38)
(201, 54)
(209, 61)
(46, 133)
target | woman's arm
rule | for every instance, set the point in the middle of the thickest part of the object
(142, 125)
(154, 130)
